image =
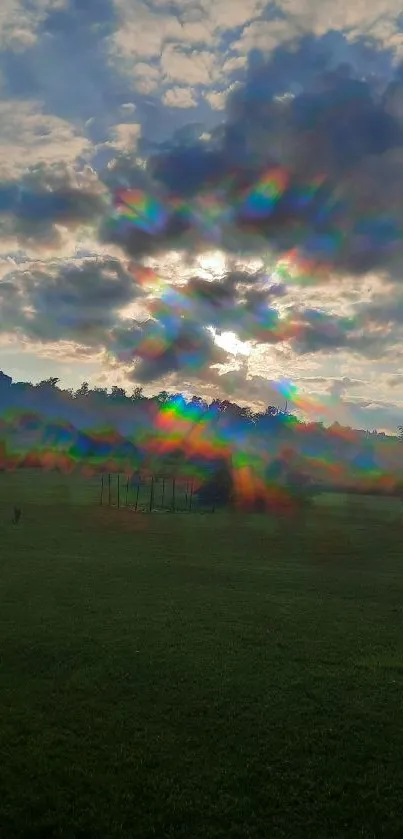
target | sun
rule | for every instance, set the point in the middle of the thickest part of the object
(229, 342)
(213, 262)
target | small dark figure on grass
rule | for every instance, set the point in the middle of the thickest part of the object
(17, 515)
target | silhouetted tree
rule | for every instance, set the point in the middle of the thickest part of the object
(83, 391)
(217, 491)
(48, 383)
(118, 394)
(44, 424)
(137, 394)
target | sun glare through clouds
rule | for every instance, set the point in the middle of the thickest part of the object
(231, 343)
(213, 262)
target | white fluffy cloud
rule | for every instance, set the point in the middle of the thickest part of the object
(126, 135)
(19, 23)
(197, 67)
(143, 30)
(28, 136)
(179, 97)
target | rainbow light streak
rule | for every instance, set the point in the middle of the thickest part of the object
(260, 200)
(302, 402)
(141, 210)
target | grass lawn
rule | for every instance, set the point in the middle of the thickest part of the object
(198, 676)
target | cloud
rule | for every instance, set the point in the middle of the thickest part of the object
(316, 173)
(84, 302)
(278, 100)
(216, 99)
(251, 390)
(19, 24)
(384, 309)
(230, 304)
(317, 331)
(29, 137)
(195, 67)
(395, 381)
(66, 65)
(50, 302)
(158, 348)
(264, 35)
(367, 414)
(334, 386)
(144, 28)
(245, 303)
(45, 201)
(146, 77)
(378, 24)
(126, 135)
(231, 14)
(339, 386)
(179, 97)
(240, 302)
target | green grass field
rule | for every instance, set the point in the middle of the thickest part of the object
(198, 676)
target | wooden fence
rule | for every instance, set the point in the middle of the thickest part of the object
(147, 494)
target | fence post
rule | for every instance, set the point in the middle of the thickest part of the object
(163, 493)
(191, 496)
(151, 493)
(127, 491)
(137, 494)
(102, 490)
(173, 495)
(118, 490)
(109, 490)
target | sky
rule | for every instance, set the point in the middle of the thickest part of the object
(206, 197)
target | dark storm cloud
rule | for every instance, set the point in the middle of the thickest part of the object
(229, 299)
(157, 349)
(226, 304)
(76, 302)
(82, 303)
(317, 331)
(45, 197)
(342, 127)
(383, 309)
(178, 337)
(219, 294)
(229, 305)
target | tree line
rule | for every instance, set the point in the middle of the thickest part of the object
(167, 434)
